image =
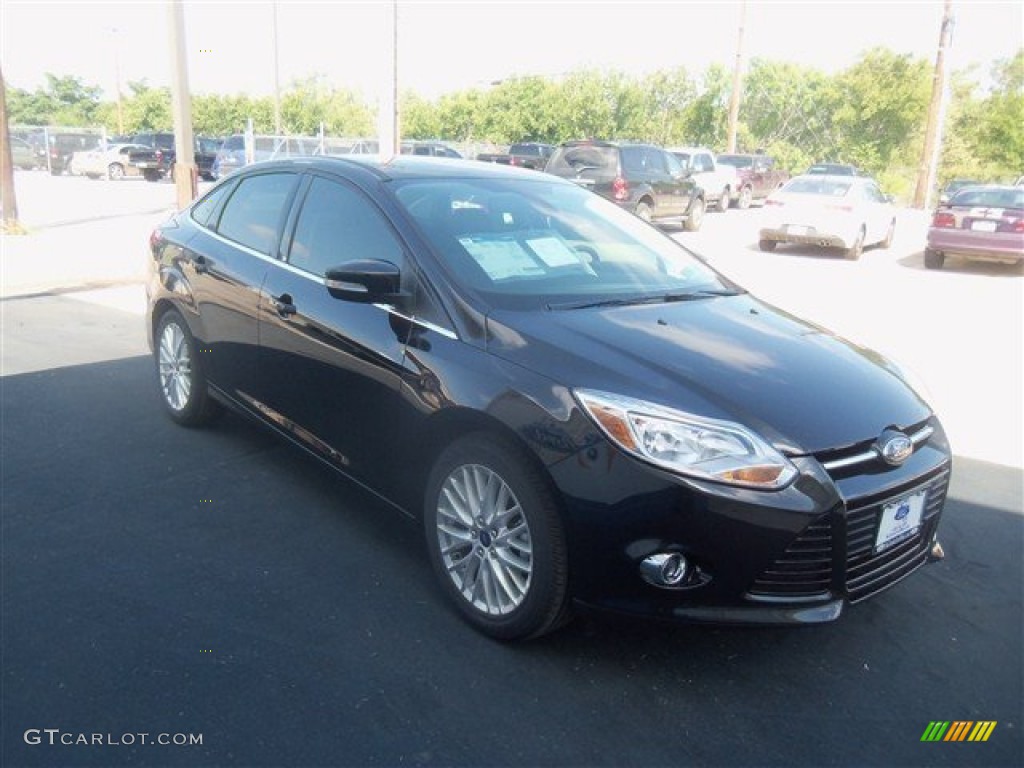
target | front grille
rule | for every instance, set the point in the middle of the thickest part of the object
(835, 553)
(868, 572)
(805, 570)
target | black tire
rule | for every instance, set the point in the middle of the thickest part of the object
(934, 259)
(890, 235)
(55, 171)
(151, 174)
(115, 171)
(767, 245)
(180, 373)
(508, 495)
(696, 215)
(644, 211)
(854, 252)
(745, 198)
(723, 201)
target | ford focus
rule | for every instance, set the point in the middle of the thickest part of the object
(578, 410)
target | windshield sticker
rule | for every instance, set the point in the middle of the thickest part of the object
(501, 258)
(553, 251)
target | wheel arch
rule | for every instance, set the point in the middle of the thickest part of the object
(450, 424)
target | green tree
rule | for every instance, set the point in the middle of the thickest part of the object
(63, 100)
(880, 107)
(706, 115)
(147, 108)
(1000, 126)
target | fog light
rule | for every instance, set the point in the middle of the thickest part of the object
(936, 552)
(665, 569)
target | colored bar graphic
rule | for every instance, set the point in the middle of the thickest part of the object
(935, 731)
(958, 730)
(982, 731)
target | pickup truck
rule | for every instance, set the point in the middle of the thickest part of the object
(719, 182)
(526, 155)
(158, 161)
(758, 177)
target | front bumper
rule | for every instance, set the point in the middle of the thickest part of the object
(795, 556)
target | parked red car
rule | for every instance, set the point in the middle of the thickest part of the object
(984, 223)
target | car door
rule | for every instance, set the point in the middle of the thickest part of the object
(330, 369)
(225, 263)
(682, 186)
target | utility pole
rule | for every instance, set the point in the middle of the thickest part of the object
(115, 33)
(936, 114)
(8, 198)
(277, 79)
(185, 176)
(387, 118)
(737, 83)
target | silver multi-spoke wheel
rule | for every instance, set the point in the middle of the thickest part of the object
(175, 363)
(495, 537)
(484, 540)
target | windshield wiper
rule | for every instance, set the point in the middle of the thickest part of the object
(656, 298)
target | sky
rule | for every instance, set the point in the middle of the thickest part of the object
(450, 46)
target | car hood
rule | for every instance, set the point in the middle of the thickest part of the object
(734, 357)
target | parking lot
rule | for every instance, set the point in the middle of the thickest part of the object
(163, 581)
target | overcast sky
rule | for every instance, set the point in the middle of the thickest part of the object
(446, 46)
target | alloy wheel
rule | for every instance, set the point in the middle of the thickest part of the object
(485, 542)
(175, 365)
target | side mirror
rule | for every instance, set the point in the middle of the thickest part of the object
(365, 281)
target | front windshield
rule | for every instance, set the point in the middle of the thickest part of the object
(533, 243)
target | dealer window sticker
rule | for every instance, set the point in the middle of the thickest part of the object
(501, 258)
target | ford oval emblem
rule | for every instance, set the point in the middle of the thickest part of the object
(903, 511)
(894, 447)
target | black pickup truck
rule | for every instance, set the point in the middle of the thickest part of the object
(525, 155)
(158, 161)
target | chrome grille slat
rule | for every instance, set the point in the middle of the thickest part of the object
(918, 435)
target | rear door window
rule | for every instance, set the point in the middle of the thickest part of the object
(253, 215)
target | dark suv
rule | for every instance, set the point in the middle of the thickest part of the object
(642, 178)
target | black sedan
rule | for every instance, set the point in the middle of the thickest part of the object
(579, 410)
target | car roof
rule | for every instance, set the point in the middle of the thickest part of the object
(405, 167)
(689, 149)
(605, 143)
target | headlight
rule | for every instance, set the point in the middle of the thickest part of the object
(688, 445)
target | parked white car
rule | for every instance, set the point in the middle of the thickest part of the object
(110, 162)
(719, 182)
(847, 212)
